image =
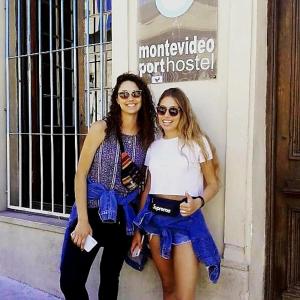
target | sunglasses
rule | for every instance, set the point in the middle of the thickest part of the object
(173, 111)
(126, 94)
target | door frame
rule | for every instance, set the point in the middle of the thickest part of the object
(270, 143)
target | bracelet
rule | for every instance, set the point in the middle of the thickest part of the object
(202, 201)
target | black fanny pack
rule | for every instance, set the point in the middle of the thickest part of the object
(166, 207)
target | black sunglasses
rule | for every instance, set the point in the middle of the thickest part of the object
(173, 111)
(126, 94)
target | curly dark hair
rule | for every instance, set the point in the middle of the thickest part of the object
(146, 115)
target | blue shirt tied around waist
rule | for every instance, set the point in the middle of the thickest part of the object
(107, 201)
(194, 226)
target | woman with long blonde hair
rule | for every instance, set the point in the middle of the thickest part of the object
(182, 177)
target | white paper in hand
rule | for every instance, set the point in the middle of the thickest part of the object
(90, 243)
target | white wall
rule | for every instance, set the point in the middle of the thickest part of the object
(2, 110)
(231, 110)
(120, 50)
(209, 101)
(257, 162)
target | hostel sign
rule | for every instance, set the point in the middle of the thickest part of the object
(177, 40)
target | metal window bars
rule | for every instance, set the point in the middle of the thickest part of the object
(58, 81)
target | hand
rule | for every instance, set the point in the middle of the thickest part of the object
(189, 207)
(81, 231)
(136, 241)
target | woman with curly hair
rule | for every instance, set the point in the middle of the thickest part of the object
(103, 207)
(182, 177)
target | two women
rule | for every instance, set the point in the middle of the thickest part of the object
(181, 179)
(103, 206)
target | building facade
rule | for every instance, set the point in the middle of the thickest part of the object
(59, 63)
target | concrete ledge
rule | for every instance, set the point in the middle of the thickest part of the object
(234, 265)
(232, 285)
(45, 223)
(30, 252)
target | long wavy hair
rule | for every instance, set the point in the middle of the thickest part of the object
(146, 115)
(188, 126)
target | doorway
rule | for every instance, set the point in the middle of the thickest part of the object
(283, 152)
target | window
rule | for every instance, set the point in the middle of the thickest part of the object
(59, 82)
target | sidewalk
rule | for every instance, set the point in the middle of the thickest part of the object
(14, 290)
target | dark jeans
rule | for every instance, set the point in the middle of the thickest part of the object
(76, 264)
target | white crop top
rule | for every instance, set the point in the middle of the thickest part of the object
(175, 170)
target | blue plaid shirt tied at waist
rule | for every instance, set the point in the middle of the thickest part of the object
(193, 226)
(107, 202)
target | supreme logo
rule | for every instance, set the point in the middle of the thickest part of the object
(162, 209)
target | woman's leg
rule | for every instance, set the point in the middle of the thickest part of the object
(111, 264)
(165, 269)
(186, 271)
(75, 267)
(116, 246)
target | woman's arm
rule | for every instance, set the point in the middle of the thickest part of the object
(137, 238)
(92, 141)
(211, 188)
(146, 191)
(212, 185)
